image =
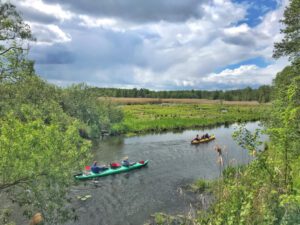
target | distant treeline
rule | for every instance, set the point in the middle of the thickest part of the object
(262, 94)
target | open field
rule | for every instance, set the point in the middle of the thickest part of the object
(161, 117)
(178, 101)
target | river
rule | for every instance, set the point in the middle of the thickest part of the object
(131, 198)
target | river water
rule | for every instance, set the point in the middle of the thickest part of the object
(131, 198)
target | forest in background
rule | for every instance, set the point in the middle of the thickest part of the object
(262, 94)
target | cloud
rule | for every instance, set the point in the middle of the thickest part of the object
(135, 10)
(56, 54)
(152, 44)
(37, 9)
(31, 15)
(245, 75)
(49, 34)
(239, 35)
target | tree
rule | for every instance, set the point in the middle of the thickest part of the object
(286, 114)
(14, 66)
(12, 29)
(35, 133)
(32, 171)
(290, 45)
(14, 34)
(81, 102)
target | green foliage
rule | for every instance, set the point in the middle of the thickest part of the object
(247, 140)
(80, 102)
(292, 215)
(32, 171)
(200, 185)
(5, 215)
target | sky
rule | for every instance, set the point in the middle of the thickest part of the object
(157, 44)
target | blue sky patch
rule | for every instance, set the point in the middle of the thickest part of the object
(258, 61)
(256, 10)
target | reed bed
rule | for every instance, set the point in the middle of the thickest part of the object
(130, 101)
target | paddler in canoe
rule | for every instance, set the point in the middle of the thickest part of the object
(114, 168)
(125, 162)
(204, 138)
(196, 138)
(97, 169)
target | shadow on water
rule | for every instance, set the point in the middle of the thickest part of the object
(131, 198)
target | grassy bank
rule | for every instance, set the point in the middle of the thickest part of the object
(150, 118)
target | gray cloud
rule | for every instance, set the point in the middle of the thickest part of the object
(31, 14)
(242, 40)
(137, 10)
(105, 48)
(55, 54)
(96, 56)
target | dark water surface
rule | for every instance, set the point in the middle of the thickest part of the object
(131, 198)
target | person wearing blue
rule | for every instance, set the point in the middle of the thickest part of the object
(125, 161)
(97, 169)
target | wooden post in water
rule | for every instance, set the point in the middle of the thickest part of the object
(220, 162)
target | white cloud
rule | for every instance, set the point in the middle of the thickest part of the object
(247, 74)
(96, 22)
(51, 9)
(237, 30)
(161, 54)
(49, 34)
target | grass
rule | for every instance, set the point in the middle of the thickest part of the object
(143, 118)
(200, 186)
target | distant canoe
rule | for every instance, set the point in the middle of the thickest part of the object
(111, 171)
(204, 140)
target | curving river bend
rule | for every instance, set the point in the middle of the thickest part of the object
(131, 198)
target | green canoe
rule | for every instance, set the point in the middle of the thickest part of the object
(110, 171)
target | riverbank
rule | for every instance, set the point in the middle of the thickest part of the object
(145, 118)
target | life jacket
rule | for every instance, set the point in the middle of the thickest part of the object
(115, 165)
